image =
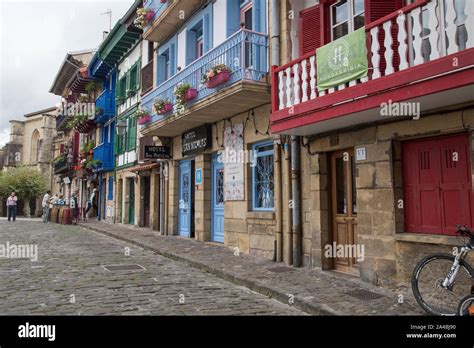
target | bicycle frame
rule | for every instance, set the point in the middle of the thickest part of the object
(453, 272)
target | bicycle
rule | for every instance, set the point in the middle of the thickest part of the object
(466, 307)
(438, 284)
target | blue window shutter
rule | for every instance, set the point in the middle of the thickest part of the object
(161, 69)
(259, 16)
(207, 29)
(173, 58)
(190, 46)
(233, 17)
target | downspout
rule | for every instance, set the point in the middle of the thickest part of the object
(287, 240)
(278, 204)
(295, 197)
(275, 61)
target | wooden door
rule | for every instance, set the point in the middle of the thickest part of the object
(344, 209)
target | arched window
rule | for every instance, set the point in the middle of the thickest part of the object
(35, 147)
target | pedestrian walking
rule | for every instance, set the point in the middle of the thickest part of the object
(73, 205)
(90, 202)
(45, 205)
(12, 201)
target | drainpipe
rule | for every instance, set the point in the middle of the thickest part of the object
(287, 240)
(275, 33)
(295, 197)
(275, 61)
(278, 203)
(162, 198)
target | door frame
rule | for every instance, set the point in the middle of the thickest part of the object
(191, 197)
(352, 218)
(215, 165)
(131, 201)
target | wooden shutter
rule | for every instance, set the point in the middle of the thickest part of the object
(313, 31)
(376, 9)
(437, 188)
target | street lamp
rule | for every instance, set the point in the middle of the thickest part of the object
(121, 127)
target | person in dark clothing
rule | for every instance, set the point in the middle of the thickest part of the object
(74, 207)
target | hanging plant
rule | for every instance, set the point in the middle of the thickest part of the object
(217, 75)
(143, 116)
(93, 86)
(183, 93)
(162, 106)
(144, 16)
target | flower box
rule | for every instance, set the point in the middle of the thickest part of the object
(219, 79)
(144, 119)
(163, 1)
(190, 94)
(167, 108)
(149, 15)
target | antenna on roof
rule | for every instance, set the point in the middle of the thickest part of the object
(109, 12)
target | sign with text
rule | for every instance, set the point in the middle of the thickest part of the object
(157, 152)
(198, 176)
(342, 60)
(196, 140)
(234, 161)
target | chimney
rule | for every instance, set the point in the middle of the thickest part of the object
(104, 34)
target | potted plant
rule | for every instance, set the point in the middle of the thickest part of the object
(143, 116)
(162, 106)
(144, 16)
(183, 93)
(163, 1)
(217, 75)
(120, 100)
(99, 111)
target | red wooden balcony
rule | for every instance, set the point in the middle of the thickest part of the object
(421, 61)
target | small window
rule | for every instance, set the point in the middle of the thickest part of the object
(346, 17)
(263, 177)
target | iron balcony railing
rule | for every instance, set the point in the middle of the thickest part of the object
(245, 53)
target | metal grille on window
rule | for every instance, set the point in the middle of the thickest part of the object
(185, 191)
(220, 187)
(264, 186)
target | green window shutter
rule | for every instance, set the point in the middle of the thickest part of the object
(133, 133)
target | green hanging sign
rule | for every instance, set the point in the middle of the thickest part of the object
(342, 60)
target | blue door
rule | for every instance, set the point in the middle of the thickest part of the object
(217, 201)
(184, 204)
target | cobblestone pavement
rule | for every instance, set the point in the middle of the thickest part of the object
(70, 269)
(315, 292)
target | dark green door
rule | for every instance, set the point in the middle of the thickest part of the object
(131, 202)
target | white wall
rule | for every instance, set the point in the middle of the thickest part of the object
(220, 22)
(297, 6)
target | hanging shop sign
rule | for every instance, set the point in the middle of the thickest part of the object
(234, 158)
(342, 60)
(157, 152)
(196, 140)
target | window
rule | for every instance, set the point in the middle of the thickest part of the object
(263, 177)
(132, 133)
(346, 17)
(111, 189)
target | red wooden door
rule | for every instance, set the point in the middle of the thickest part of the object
(437, 184)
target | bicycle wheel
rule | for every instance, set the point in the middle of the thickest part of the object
(426, 282)
(466, 307)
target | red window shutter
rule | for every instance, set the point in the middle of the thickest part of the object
(313, 32)
(437, 188)
(376, 9)
(75, 146)
(61, 149)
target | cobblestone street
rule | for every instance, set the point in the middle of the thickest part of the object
(70, 268)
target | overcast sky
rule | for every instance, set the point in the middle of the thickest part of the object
(35, 36)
